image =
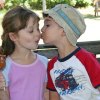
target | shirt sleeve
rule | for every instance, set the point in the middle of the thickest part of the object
(92, 66)
(94, 70)
(50, 84)
(45, 62)
(5, 71)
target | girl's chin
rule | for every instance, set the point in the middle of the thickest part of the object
(35, 47)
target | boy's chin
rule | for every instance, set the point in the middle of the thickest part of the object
(46, 42)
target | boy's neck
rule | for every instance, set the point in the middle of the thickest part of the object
(64, 51)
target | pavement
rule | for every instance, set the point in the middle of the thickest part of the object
(92, 32)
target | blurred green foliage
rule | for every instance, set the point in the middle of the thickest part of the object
(37, 4)
(83, 3)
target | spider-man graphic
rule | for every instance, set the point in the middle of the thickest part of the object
(66, 80)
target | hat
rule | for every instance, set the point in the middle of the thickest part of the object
(70, 19)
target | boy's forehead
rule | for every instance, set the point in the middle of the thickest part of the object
(48, 19)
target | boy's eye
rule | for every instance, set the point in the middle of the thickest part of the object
(47, 25)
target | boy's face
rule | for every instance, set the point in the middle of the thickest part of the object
(51, 31)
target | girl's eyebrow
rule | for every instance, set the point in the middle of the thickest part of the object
(30, 27)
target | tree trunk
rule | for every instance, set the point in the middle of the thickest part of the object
(44, 5)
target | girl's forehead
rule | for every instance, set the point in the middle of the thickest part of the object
(32, 21)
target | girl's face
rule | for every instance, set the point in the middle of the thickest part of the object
(51, 31)
(29, 37)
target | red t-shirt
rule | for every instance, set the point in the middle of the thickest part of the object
(72, 72)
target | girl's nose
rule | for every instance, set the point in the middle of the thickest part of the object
(39, 34)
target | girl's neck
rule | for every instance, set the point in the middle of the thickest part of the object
(21, 52)
(23, 57)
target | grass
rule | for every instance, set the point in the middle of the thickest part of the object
(89, 13)
(89, 16)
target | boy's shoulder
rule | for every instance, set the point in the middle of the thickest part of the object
(51, 62)
(84, 54)
(88, 59)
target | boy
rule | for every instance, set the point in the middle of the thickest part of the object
(74, 74)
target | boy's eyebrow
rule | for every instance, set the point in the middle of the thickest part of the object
(47, 20)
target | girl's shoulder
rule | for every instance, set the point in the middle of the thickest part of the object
(8, 61)
(43, 59)
(6, 70)
(8, 64)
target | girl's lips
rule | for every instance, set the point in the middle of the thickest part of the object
(41, 37)
(37, 41)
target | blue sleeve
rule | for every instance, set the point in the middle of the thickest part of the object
(6, 70)
(45, 62)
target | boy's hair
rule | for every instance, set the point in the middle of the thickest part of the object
(13, 21)
(68, 18)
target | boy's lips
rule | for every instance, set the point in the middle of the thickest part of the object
(37, 41)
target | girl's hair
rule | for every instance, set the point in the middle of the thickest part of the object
(13, 21)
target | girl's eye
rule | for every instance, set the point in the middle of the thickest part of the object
(38, 29)
(47, 25)
(31, 31)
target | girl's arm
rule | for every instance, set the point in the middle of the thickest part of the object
(2, 82)
(4, 93)
(46, 92)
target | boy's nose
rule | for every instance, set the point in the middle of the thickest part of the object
(42, 29)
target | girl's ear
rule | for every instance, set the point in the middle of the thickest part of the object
(12, 36)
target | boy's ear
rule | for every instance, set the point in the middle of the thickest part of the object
(12, 36)
(63, 32)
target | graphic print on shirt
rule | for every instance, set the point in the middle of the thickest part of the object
(67, 83)
(66, 80)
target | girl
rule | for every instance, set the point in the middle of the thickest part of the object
(25, 71)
